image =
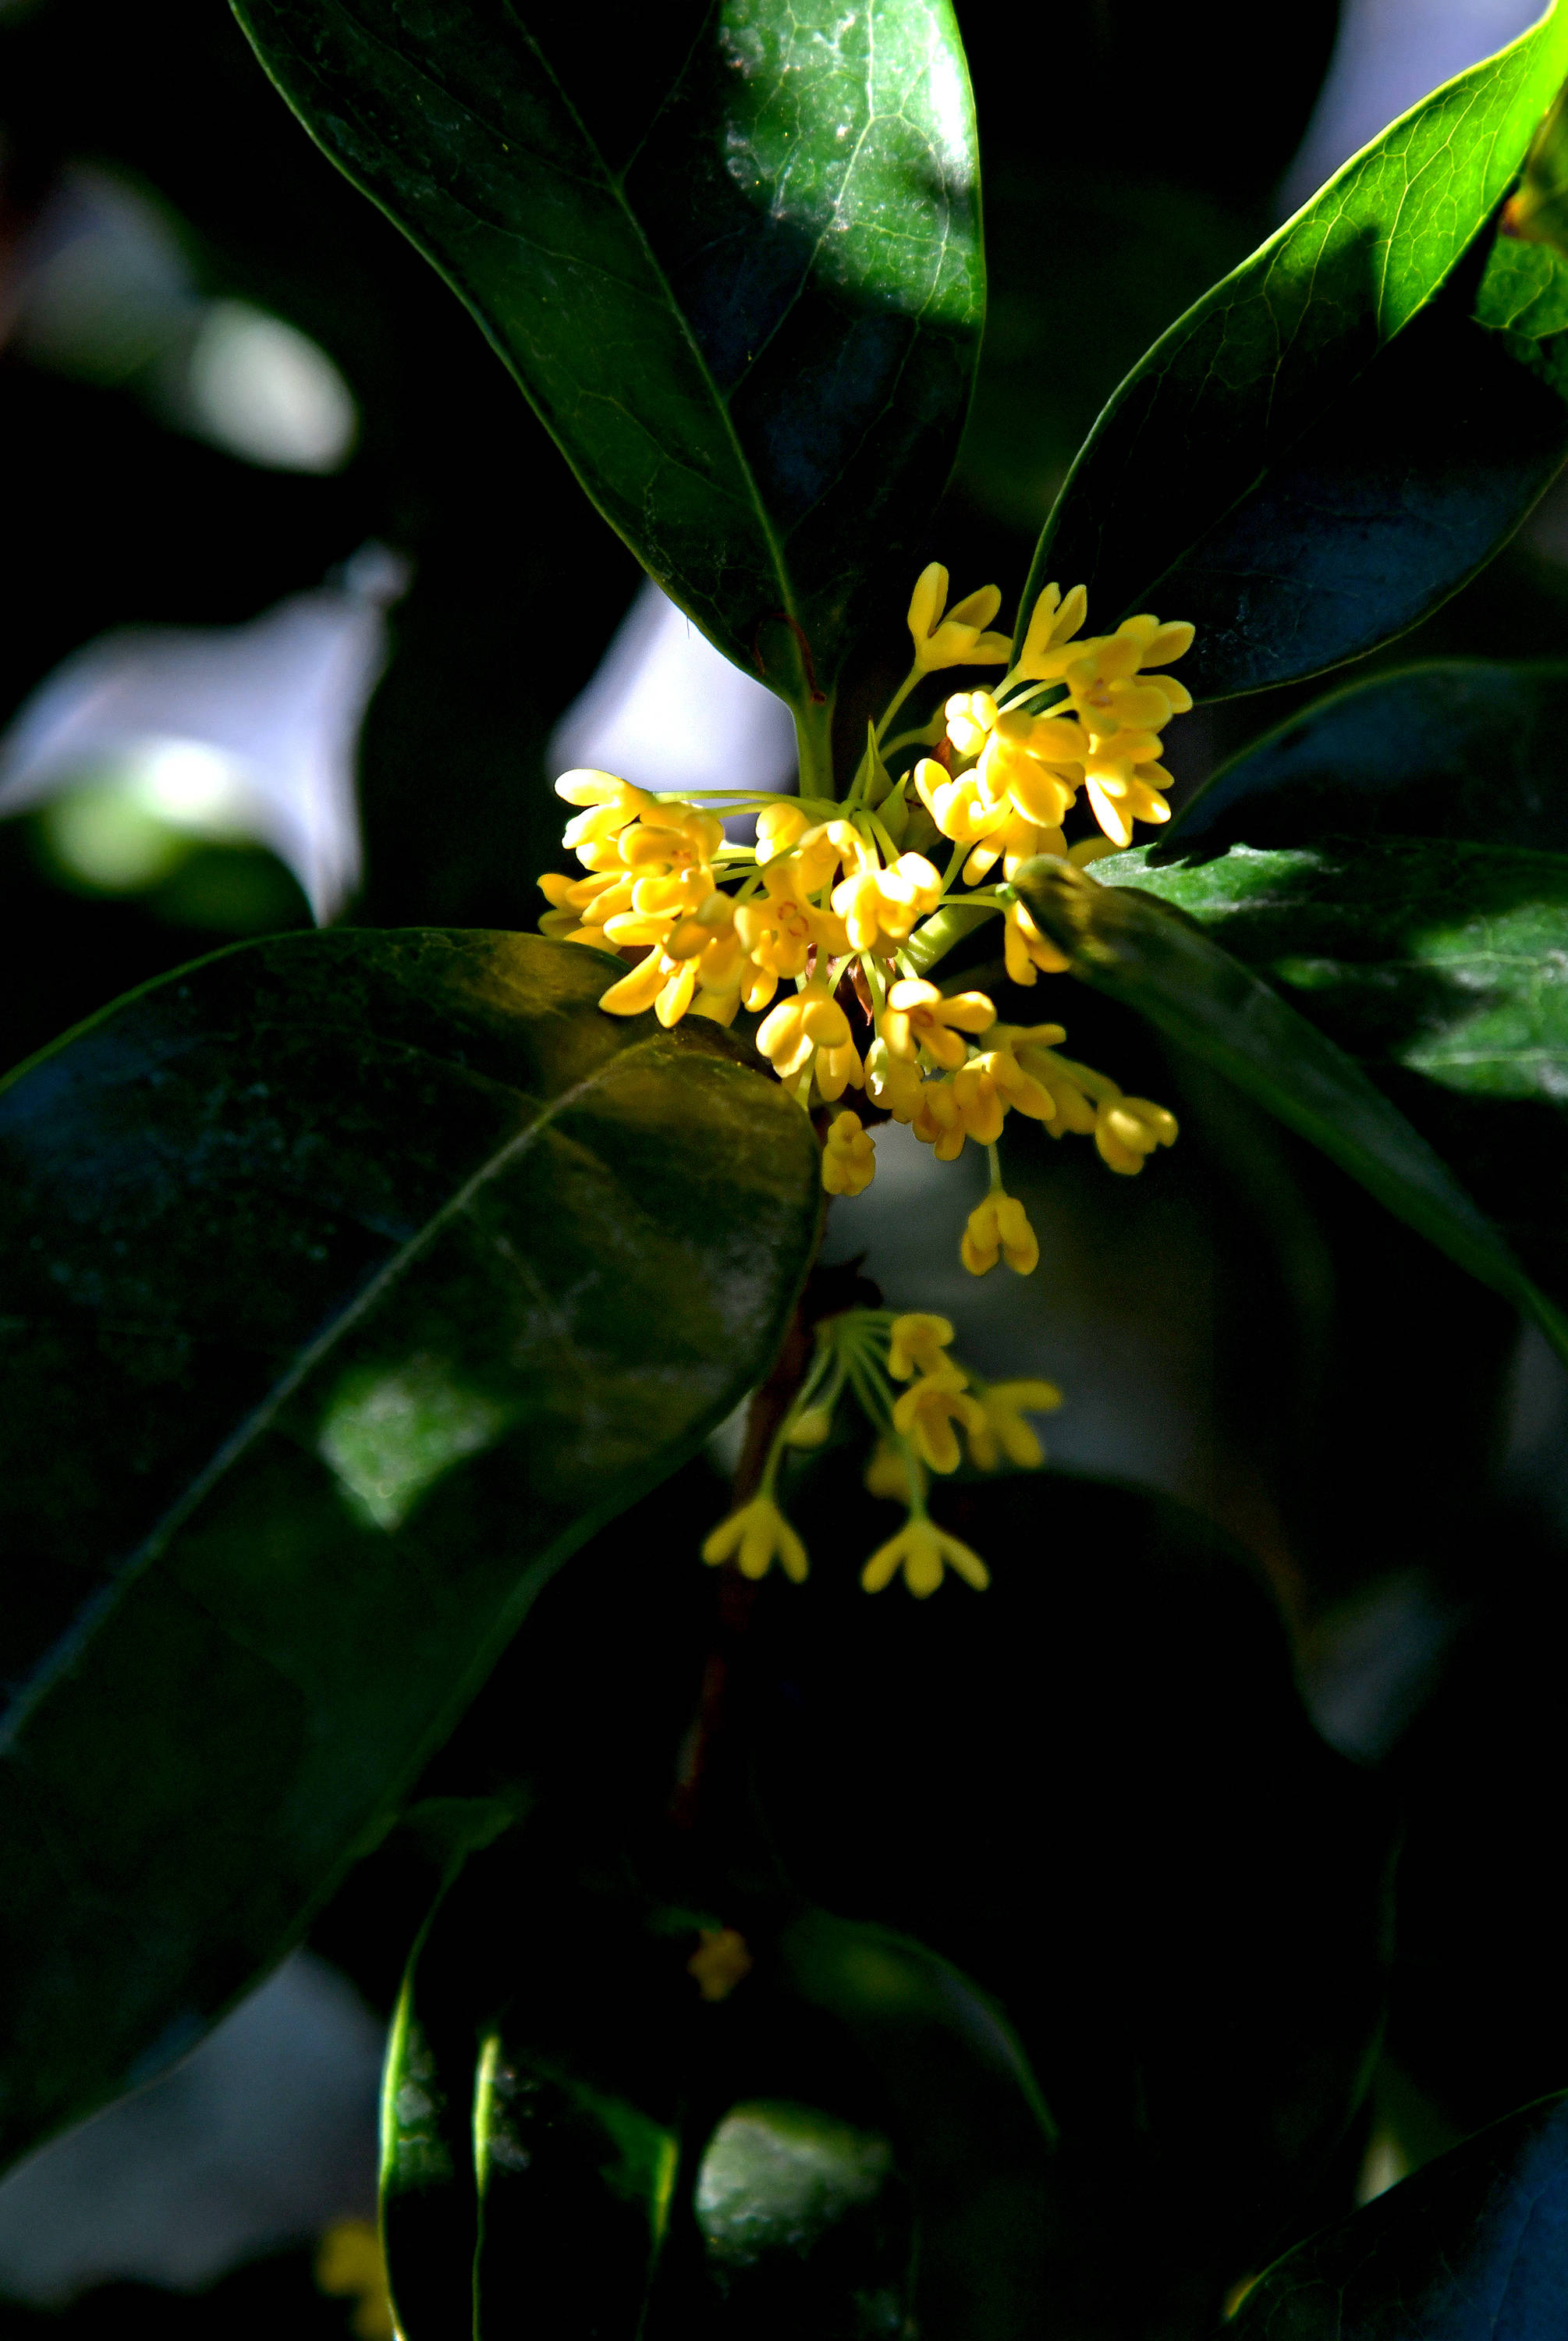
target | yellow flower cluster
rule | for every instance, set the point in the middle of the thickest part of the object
(828, 927)
(868, 1350)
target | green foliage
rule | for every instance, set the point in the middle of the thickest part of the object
(1474, 2247)
(353, 1282)
(567, 2116)
(742, 282)
(1169, 970)
(358, 1278)
(1438, 963)
(1346, 426)
(1457, 748)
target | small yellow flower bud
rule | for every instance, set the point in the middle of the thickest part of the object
(777, 827)
(810, 1429)
(720, 1961)
(1128, 1130)
(848, 1156)
(1000, 1229)
(892, 1082)
(1025, 950)
(937, 1123)
(915, 1345)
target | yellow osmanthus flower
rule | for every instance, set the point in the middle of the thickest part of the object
(848, 1156)
(923, 1551)
(780, 928)
(1004, 1431)
(1128, 1130)
(1053, 623)
(926, 1413)
(917, 1018)
(1029, 762)
(810, 1028)
(955, 637)
(1015, 841)
(881, 907)
(869, 1352)
(917, 1343)
(1026, 953)
(894, 1083)
(722, 1959)
(779, 826)
(999, 1229)
(838, 900)
(754, 1538)
(349, 2264)
(936, 1121)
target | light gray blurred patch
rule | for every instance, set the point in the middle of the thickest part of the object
(1368, 1666)
(263, 2138)
(105, 293)
(229, 732)
(666, 710)
(1388, 54)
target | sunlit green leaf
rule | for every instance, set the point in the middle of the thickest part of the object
(1474, 2247)
(350, 1281)
(1339, 433)
(1145, 952)
(739, 276)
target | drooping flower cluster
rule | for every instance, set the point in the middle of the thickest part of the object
(831, 925)
(866, 1351)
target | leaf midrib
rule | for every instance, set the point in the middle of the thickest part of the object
(611, 182)
(1210, 307)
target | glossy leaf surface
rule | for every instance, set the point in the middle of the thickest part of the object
(351, 1279)
(739, 277)
(1346, 427)
(1472, 2247)
(1458, 748)
(1142, 952)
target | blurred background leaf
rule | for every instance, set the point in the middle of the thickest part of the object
(1473, 2246)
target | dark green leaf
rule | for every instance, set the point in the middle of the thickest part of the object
(351, 1279)
(1145, 952)
(738, 277)
(1473, 2248)
(1094, 1790)
(1460, 747)
(672, 2164)
(1346, 427)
